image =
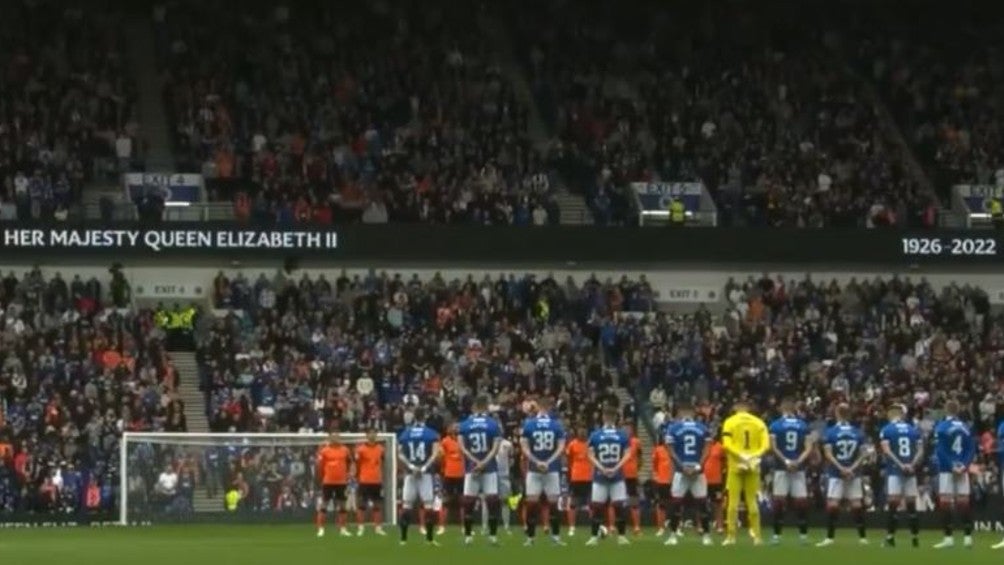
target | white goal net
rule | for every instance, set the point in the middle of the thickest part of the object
(173, 477)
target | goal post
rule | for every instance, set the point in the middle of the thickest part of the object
(274, 476)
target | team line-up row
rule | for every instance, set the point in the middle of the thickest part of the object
(611, 457)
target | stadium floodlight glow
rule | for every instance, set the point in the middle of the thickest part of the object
(212, 457)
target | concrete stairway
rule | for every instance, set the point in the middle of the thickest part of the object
(574, 210)
(647, 442)
(139, 34)
(188, 391)
(195, 413)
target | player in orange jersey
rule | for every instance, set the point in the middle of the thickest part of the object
(369, 477)
(334, 462)
(662, 475)
(453, 478)
(580, 475)
(714, 472)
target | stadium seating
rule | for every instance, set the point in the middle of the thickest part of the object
(367, 112)
(66, 106)
(749, 104)
(356, 352)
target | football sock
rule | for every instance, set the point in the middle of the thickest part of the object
(493, 515)
(946, 520)
(468, 514)
(342, 518)
(597, 518)
(532, 515)
(859, 521)
(675, 513)
(431, 517)
(778, 516)
(892, 522)
(913, 518)
(405, 520)
(319, 519)
(621, 520)
(966, 515)
(802, 515)
(831, 523)
(360, 517)
(555, 518)
(635, 518)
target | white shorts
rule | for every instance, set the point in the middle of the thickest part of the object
(417, 487)
(476, 484)
(696, 486)
(950, 484)
(845, 489)
(790, 483)
(604, 492)
(548, 484)
(902, 486)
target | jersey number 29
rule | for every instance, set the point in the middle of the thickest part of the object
(608, 453)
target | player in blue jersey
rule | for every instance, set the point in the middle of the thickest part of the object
(418, 450)
(688, 441)
(903, 452)
(542, 443)
(1000, 465)
(479, 438)
(954, 450)
(608, 452)
(792, 445)
(845, 451)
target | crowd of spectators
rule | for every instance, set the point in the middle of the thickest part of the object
(75, 373)
(358, 351)
(870, 343)
(376, 111)
(66, 106)
(940, 74)
(298, 352)
(748, 102)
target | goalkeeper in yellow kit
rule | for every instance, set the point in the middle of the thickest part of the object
(745, 439)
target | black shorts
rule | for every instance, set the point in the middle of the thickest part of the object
(453, 487)
(370, 492)
(715, 492)
(582, 491)
(663, 492)
(333, 492)
(632, 487)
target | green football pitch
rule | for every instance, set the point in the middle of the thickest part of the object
(294, 545)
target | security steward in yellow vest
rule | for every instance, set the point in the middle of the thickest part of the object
(997, 213)
(677, 213)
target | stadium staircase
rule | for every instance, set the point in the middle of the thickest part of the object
(188, 391)
(572, 206)
(142, 51)
(195, 413)
(644, 436)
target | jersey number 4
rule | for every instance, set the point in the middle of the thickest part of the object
(957, 445)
